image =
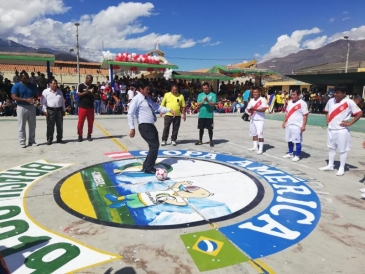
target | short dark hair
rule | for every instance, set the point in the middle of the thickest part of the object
(205, 84)
(297, 91)
(256, 87)
(340, 88)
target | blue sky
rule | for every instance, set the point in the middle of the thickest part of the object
(228, 31)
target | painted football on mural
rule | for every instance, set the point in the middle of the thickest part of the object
(161, 174)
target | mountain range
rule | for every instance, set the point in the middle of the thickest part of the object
(11, 46)
(330, 53)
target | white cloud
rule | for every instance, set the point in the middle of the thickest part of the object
(332, 20)
(315, 43)
(289, 44)
(286, 45)
(19, 13)
(345, 18)
(113, 26)
(354, 34)
(215, 43)
(205, 40)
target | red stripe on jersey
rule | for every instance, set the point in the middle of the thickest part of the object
(255, 106)
(337, 111)
(292, 110)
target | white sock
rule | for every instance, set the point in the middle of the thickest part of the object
(255, 144)
(331, 157)
(343, 158)
(261, 146)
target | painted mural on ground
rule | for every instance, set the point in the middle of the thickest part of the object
(25, 245)
(118, 193)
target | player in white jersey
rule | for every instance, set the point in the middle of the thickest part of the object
(256, 109)
(294, 123)
(338, 112)
(363, 189)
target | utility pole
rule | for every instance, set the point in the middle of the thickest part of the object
(348, 53)
(77, 52)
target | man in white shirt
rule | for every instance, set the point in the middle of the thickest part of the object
(256, 109)
(338, 112)
(131, 93)
(294, 123)
(53, 106)
(143, 108)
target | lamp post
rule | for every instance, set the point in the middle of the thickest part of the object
(77, 52)
(348, 52)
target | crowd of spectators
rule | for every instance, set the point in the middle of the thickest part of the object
(112, 97)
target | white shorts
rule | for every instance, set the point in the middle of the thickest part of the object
(339, 139)
(257, 128)
(293, 134)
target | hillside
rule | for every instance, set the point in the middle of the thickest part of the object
(330, 53)
(11, 46)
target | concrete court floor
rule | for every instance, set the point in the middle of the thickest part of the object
(337, 245)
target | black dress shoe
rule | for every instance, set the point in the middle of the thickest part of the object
(60, 142)
(49, 142)
(79, 139)
(89, 138)
(151, 171)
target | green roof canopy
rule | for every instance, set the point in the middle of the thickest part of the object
(236, 72)
(128, 65)
(187, 75)
(32, 59)
(351, 78)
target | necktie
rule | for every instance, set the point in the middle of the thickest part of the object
(153, 112)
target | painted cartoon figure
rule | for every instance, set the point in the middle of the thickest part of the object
(177, 195)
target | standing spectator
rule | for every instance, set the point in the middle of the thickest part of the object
(257, 107)
(175, 101)
(85, 92)
(74, 100)
(123, 91)
(294, 123)
(143, 108)
(206, 104)
(53, 105)
(25, 93)
(246, 98)
(33, 79)
(338, 111)
(16, 77)
(131, 93)
(97, 102)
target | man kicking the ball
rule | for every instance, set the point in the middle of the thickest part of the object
(294, 123)
(338, 111)
(256, 108)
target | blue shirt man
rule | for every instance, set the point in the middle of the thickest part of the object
(25, 93)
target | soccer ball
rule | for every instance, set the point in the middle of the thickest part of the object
(161, 174)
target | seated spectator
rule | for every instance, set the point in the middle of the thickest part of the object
(227, 106)
(9, 108)
(220, 107)
(194, 107)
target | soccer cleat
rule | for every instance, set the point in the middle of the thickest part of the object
(253, 149)
(89, 138)
(362, 190)
(363, 196)
(33, 144)
(295, 159)
(288, 155)
(163, 143)
(173, 143)
(211, 143)
(259, 152)
(23, 146)
(340, 172)
(199, 143)
(326, 168)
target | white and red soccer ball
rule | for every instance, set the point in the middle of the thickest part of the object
(161, 174)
